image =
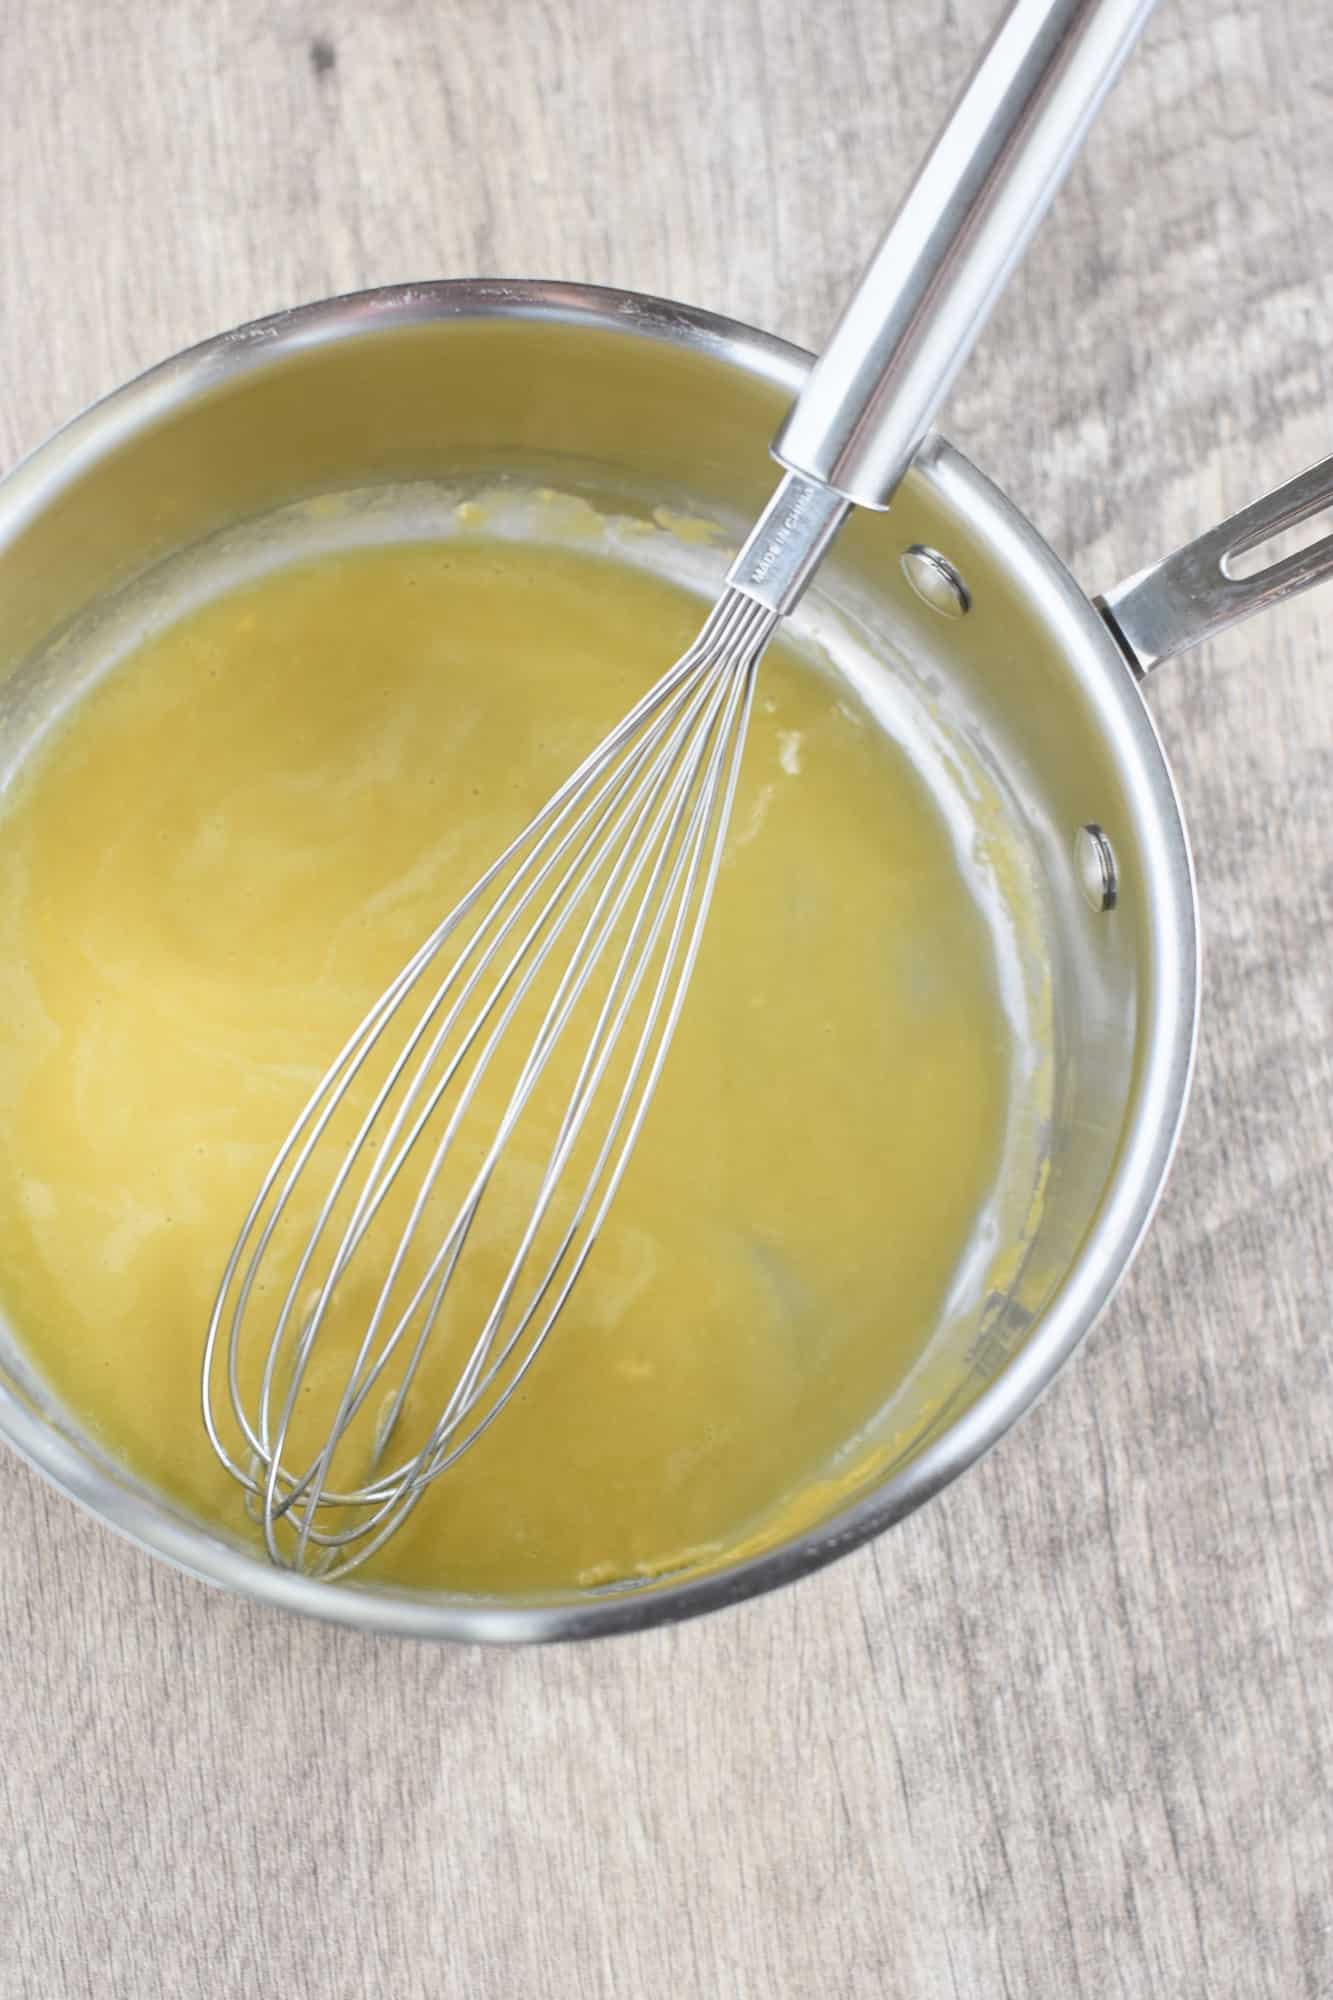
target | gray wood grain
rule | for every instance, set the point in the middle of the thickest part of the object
(1070, 1731)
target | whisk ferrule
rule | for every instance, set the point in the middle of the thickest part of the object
(788, 542)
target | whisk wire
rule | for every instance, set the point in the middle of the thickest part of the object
(630, 845)
(434, 1458)
(380, 1180)
(441, 1460)
(328, 1094)
(597, 929)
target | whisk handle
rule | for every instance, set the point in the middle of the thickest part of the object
(984, 187)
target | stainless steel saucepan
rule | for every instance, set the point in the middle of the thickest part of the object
(631, 402)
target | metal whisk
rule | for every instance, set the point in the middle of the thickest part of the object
(425, 1128)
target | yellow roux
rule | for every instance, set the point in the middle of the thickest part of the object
(228, 848)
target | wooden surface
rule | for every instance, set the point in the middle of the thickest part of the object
(1069, 1731)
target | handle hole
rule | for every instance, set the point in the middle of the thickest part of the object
(1240, 565)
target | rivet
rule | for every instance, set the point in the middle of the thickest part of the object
(1094, 859)
(936, 581)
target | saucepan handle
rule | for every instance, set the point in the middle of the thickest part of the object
(1194, 592)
